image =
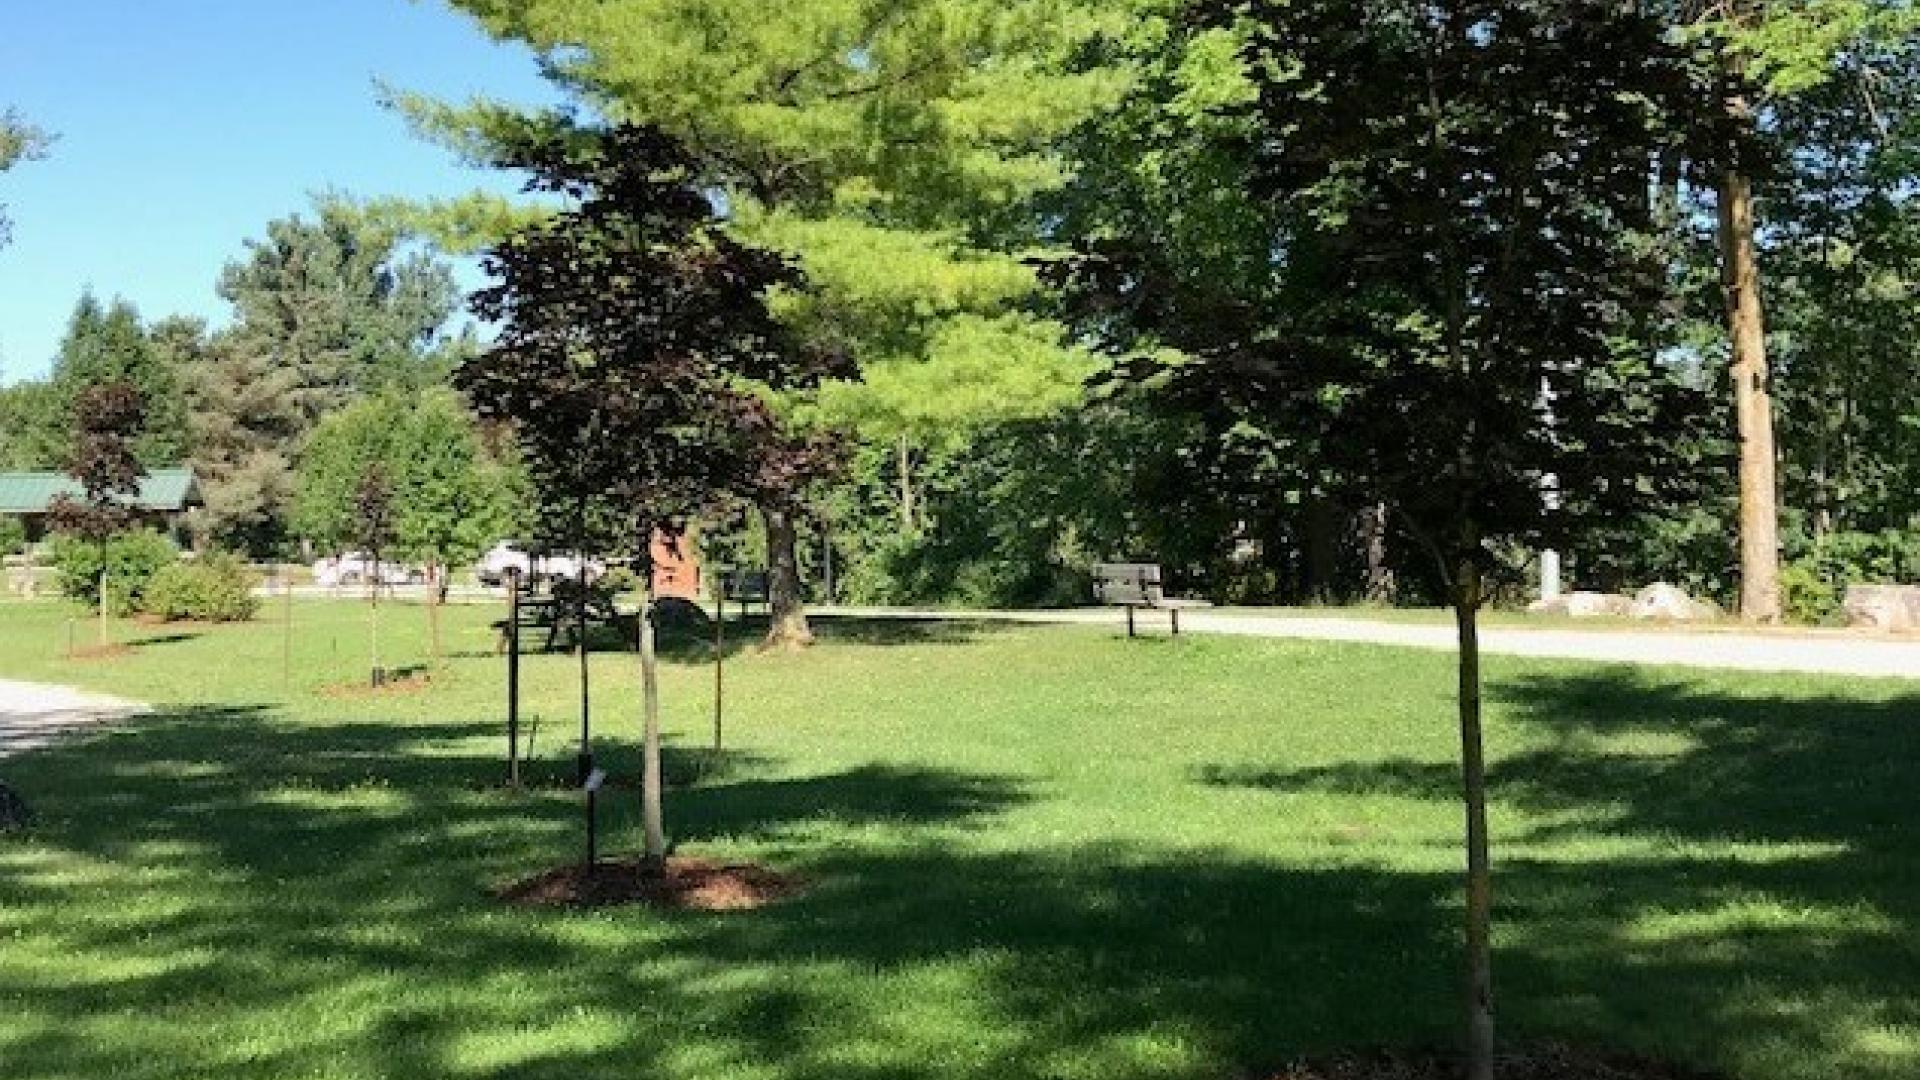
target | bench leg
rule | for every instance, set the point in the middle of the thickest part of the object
(1129, 620)
(1175, 613)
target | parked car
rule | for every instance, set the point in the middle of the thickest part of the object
(511, 555)
(357, 568)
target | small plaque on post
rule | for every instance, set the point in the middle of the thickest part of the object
(595, 779)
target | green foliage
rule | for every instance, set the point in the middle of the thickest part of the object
(1806, 597)
(451, 498)
(465, 225)
(33, 431)
(213, 588)
(337, 300)
(1814, 582)
(19, 141)
(130, 560)
(895, 150)
(106, 344)
(13, 535)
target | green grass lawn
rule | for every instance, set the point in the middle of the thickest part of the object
(1035, 852)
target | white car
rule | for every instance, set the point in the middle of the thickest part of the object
(356, 568)
(508, 555)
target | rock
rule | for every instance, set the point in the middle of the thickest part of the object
(14, 813)
(1669, 603)
(1594, 605)
(1883, 607)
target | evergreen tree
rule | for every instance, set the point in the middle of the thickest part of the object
(336, 302)
(894, 148)
(244, 421)
(110, 345)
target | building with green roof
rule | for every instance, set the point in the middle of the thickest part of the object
(164, 500)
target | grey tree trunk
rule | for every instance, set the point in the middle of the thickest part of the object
(1753, 402)
(787, 612)
(653, 818)
(434, 597)
(909, 516)
(1373, 531)
(1473, 775)
(377, 676)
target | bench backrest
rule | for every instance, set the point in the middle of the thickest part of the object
(1127, 583)
(744, 585)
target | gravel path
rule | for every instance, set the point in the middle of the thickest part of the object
(33, 716)
(1816, 653)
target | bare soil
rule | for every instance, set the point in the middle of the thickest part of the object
(689, 884)
(102, 652)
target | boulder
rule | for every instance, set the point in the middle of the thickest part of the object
(1883, 607)
(1594, 605)
(1670, 603)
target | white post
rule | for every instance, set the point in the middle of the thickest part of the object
(1549, 575)
(1550, 584)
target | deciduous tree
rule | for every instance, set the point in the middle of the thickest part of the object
(1458, 214)
(635, 355)
(108, 419)
(19, 141)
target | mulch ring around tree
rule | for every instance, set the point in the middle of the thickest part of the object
(1543, 1062)
(102, 652)
(689, 884)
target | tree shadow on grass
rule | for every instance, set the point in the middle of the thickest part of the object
(745, 634)
(332, 920)
(1784, 919)
(1669, 758)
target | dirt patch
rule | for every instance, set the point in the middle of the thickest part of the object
(688, 885)
(101, 652)
(393, 687)
(1549, 1062)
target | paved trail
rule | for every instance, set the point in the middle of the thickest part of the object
(1816, 653)
(33, 716)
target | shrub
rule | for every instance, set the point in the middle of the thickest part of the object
(13, 535)
(131, 559)
(218, 588)
(1807, 597)
(1813, 586)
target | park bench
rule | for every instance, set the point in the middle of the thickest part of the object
(557, 612)
(744, 587)
(1137, 585)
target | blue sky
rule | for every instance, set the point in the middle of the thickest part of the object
(185, 126)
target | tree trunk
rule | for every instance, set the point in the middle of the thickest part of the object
(584, 761)
(1319, 526)
(103, 599)
(433, 611)
(787, 612)
(1753, 403)
(651, 812)
(1373, 530)
(376, 677)
(1473, 774)
(719, 663)
(909, 510)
